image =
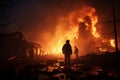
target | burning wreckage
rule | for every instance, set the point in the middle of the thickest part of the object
(15, 47)
(82, 32)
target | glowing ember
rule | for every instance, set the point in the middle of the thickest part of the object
(102, 49)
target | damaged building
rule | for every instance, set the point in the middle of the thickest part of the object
(14, 46)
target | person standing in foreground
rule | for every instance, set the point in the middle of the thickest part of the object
(67, 51)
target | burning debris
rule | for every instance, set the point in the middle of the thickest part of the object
(81, 28)
(50, 24)
(15, 48)
(76, 21)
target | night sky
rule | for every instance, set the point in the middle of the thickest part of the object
(34, 17)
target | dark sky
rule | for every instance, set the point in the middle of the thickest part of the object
(33, 17)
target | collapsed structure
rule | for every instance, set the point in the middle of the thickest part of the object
(14, 46)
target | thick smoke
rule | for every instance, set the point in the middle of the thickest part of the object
(38, 19)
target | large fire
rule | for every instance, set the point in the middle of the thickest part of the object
(80, 28)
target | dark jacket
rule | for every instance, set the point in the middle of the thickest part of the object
(67, 49)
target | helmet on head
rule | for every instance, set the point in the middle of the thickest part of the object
(67, 41)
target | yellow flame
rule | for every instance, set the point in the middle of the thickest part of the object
(68, 28)
(38, 51)
(102, 49)
(70, 34)
(112, 42)
(94, 20)
(95, 34)
(90, 12)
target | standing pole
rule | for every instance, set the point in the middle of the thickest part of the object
(115, 30)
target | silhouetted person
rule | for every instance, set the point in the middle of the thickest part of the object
(67, 51)
(76, 52)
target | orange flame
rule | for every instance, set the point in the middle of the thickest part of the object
(62, 35)
(90, 12)
(68, 28)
